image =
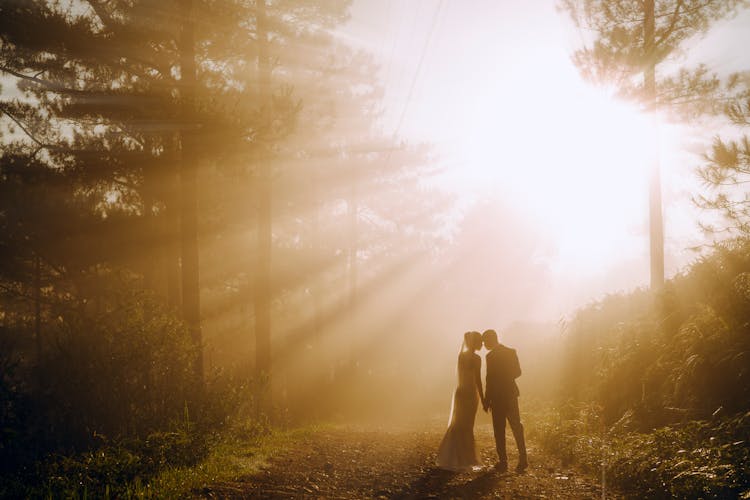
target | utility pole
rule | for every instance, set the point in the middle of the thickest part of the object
(656, 224)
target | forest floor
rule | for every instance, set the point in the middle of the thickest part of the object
(398, 462)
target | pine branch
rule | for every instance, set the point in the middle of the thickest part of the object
(45, 83)
(28, 133)
(672, 24)
(101, 12)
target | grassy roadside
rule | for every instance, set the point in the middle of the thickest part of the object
(694, 459)
(232, 456)
(165, 465)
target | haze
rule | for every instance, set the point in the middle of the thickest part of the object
(515, 123)
(307, 204)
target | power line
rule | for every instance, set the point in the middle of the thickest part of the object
(396, 35)
(419, 68)
(406, 44)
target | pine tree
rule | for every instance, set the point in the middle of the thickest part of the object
(727, 171)
(632, 40)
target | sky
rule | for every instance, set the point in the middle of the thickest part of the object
(491, 84)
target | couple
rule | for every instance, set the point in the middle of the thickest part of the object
(457, 450)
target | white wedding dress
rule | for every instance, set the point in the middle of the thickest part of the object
(458, 451)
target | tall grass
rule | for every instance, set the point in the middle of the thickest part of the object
(695, 459)
(655, 387)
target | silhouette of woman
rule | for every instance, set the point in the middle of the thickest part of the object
(458, 451)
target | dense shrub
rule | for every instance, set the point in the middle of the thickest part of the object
(112, 470)
(681, 354)
(697, 459)
(123, 371)
(657, 386)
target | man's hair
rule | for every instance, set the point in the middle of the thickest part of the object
(490, 334)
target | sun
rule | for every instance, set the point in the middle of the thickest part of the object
(574, 159)
(513, 119)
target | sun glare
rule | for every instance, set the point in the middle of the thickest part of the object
(521, 126)
(569, 156)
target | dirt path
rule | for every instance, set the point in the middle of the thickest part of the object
(351, 462)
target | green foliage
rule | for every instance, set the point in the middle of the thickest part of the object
(726, 172)
(98, 370)
(163, 465)
(680, 355)
(193, 451)
(118, 368)
(126, 370)
(617, 52)
(658, 386)
(561, 431)
(112, 470)
(108, 410)
(697, 459)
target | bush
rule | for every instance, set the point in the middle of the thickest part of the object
(698, 459)
(680, 354)
(112, 470)
(123, 371)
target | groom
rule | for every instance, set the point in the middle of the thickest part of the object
(501, 398)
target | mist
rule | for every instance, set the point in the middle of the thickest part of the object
(230, 229)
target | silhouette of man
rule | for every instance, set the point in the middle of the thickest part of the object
(501, 398)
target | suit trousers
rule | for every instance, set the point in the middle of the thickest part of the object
(502, 411)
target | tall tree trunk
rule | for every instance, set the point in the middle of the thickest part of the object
(327, 362)
(352, 257)
(189, 188)
(152, 227)
(171, 253)
(656, 225)
(352, 214)
(263, 268)
(317, 251)
(38, 308)
(171, 223)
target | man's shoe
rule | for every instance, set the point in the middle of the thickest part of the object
(522, 466)
(501, 467)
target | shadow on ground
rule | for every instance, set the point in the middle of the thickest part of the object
(438, 483)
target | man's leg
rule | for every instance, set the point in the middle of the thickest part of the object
(514, 418)
(498, 427)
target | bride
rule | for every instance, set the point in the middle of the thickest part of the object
(457, 451)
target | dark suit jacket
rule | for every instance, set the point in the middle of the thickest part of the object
(502, 371)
